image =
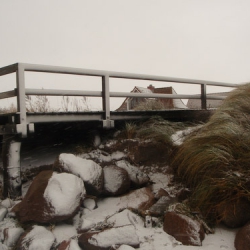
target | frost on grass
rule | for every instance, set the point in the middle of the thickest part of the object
(64, 193)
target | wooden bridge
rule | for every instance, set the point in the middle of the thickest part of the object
(23, 122)
(19, 124)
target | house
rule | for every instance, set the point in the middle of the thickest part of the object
(211, 104)
(133, 103)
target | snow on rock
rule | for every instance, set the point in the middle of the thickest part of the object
(11, 236)
(37, 238)
(184, 229)
(89, 203)
(3, 212)
(140, 199)
(68, 245)
(116, 180)
(8, 203)
(64, 232)
(90, 172)
(86, 225)
(50, 198)
(124, 218)
(125, 247)
(7, 223)
(102, 156)
(137, 177)
(125, 235)
(63, 198)
(3, 247)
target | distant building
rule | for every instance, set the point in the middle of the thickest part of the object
(211, 104)
(132, 103)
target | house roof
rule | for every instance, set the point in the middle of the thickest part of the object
(177, 103)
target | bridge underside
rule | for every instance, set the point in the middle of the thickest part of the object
(9, 122)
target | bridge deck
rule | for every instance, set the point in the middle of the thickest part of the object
(52, 117)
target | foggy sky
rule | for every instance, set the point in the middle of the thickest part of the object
(197, 39)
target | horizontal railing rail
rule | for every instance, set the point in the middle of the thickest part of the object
(21, 91)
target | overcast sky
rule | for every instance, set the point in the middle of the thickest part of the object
(197, 39)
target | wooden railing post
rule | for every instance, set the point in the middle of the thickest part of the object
(21, 106)
(203, 96)
(12, 185)
(107, 122)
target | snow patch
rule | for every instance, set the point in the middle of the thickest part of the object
(64, 232)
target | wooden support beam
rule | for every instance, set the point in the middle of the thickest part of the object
(11, 166)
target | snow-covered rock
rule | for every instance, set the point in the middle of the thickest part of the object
(63, 198)
(125, 247)
(3, 212)
(68, 245)
(90, 172)
(8, 203)
(125, 235)
(184, 229)
(50, 198)
(124, 218)
(64, 232)
(37, 238)
(11, 236)
(89, 203)
(136, 176)
(116, 180)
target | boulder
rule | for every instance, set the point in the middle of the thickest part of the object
(37, 237)
(160, 207)
(90, 172)
(50, 198)
(140, 200)
(137, 177)
(183, 229)
(103, 240)
(234, 213)
(116, 180)
(242, 239)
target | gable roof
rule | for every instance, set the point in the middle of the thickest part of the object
(177, 103)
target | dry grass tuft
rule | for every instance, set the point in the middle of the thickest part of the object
(215, 161)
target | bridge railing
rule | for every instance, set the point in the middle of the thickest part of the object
(21, 91)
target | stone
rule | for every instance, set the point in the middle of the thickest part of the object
(125, 217)
(38, 237)
(242, 238)
(89, 203)
(64, 232)
(68, 245)
(234, 213)
(160, 207)
(184, 229)
(11, 236)
(137, 177)
(103, 240)
(90, 172)
(8, 203)
(50, 199)
(116, 180)
(3, 212)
